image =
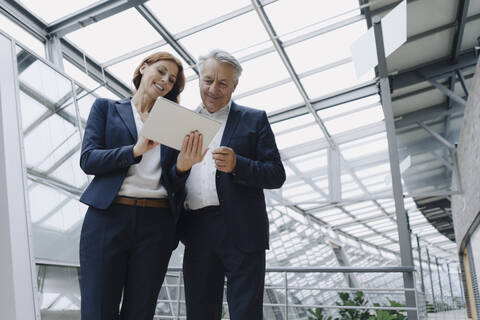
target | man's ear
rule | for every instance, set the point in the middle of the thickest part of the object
(235, 84)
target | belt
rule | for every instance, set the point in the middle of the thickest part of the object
(138, 202)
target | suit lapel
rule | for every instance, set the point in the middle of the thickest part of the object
(124, 109)
(231, 125)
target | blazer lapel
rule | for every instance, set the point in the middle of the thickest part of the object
(124, 109)
(231, 125)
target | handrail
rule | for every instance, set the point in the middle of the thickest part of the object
(393, 269)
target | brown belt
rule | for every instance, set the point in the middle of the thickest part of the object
(138, 202)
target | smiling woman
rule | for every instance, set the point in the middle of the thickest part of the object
(128, 234)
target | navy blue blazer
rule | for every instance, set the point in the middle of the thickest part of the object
(107, 153)
(242, 201)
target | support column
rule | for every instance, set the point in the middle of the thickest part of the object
(420, 259)
(431, 279)
(450, 284)
(439, 280)
(18, 290)
(53, 49)
(401, 215)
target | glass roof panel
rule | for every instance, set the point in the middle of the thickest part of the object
(273, 99)
(124, 70)
(261, 71)
(354, 120)
(325, 49)
(114, 36)
(333, 80)
(309, 12)
(221, 36)
(55, 9)
(210, 9)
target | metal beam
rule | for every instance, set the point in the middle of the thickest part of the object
(186, 33)
(462, 82)
(179, 49)
(24, 18)
(460, 24)
(350, 94)
(448, 92)
(433, 70)
(96, 12)
(440, 139)
(427, 114)
(286, 61)
(93, 69)
(401, 215)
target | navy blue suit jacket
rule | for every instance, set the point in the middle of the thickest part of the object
(242, 201)
(107, 153)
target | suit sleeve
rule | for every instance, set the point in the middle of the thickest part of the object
(267, 170)
(95, 158)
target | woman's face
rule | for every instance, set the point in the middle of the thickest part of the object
(158, 78)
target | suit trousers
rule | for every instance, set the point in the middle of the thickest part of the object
(124, 254)
(210, 255)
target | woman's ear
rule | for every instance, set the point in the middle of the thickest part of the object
(142, 68)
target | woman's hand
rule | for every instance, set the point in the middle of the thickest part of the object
(143, 145)
(191, 152)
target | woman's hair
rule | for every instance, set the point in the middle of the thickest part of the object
(158, 56)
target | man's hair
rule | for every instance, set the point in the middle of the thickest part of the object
(221, 56)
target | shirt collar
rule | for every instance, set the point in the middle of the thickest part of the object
(223, 111)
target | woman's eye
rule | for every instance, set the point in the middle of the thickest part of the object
(161, 71)
(172, 80)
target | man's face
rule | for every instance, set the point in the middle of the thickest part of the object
(217, 83)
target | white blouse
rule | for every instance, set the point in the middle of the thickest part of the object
(143, 178)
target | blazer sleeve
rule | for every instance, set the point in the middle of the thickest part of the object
(267, 171)
(95, 157)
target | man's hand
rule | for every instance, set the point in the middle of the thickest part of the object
(191, 152)
(143, 145)
(225, 159)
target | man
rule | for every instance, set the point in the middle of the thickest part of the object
(225, 223)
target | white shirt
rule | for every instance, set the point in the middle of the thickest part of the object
(200, 186)
(143, 178)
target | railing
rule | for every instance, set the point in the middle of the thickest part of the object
(285, 310)
(285, 299)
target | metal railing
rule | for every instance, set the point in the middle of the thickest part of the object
(287, 297)
(284, 309)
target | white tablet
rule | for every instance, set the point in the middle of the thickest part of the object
(169, 123)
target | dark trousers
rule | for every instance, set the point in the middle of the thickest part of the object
(210, 255)
(125, 250)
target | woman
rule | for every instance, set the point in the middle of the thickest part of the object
(129, 229)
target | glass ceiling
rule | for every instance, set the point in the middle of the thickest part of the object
(305, 218)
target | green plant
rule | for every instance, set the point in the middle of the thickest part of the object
(318, 314)
(357, 300)
(383, 315)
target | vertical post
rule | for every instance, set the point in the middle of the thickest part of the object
(179, 286)
(401, 215)
(450, 285)
(53, 50)
(439, 281)
(460, 284)
(334, 175)
(431, 279)
(18, 275)
(286, 296)
(420, 260)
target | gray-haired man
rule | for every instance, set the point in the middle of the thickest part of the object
(225, 223)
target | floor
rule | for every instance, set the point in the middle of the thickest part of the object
(449, 315)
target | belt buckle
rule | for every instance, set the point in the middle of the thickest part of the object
(141, 202)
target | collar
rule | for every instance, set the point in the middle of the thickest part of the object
(223, 111)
